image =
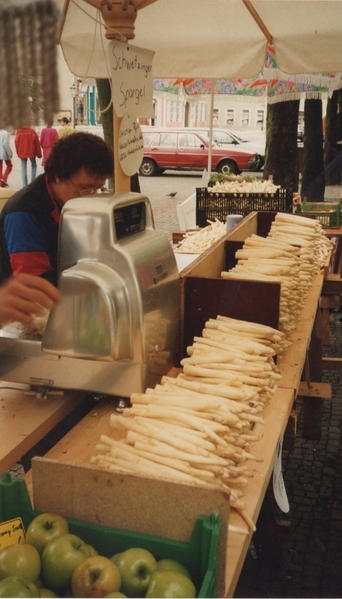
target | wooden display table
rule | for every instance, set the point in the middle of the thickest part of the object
(69, 459)
(77, 447)
(25, 420)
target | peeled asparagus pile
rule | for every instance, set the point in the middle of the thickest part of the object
(196, 242)
(294, 251)
(198, 427)
(244, 186)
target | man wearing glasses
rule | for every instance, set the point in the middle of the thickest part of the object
(29, 222)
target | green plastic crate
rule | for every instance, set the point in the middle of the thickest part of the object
(199, 554)
(327, 213)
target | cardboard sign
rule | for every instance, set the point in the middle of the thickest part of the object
(131, 145)
(132, 79)
(11, 532)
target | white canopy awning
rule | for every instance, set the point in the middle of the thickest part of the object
(213, 38)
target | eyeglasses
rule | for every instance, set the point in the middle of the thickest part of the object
(86, 191)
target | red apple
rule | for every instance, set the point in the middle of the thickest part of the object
(59, 559)
(136, 566)
(13, 586)
(21, 560)
(95, 577)
(44, 528)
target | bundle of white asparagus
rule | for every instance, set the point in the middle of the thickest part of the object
(199, 427)
(293, 252)
(196, 242)
(244, 186)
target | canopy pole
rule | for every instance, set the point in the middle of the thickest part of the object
(210, 151)
(122, 183)
(248, 4)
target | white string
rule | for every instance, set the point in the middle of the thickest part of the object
(99, 23)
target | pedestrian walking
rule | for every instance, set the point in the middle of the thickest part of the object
(66, 128)
(5, 156)
(27, 146)
(48, 137)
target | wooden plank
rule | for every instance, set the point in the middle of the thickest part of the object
(331, 363)
(315, 390)
(332, 285)
(25, 420)
(204, 298)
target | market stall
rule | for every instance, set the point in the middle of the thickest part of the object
(68, 465)
(70, 459)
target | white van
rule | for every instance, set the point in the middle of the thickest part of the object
(226, 137)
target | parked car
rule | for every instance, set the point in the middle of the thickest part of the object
(226, 137)
(171, 148)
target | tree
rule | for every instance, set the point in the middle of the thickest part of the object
(313, 176)
(333, 151)
(281, 160)
(104, 95)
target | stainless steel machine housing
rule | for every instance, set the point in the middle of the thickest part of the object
(115, 331)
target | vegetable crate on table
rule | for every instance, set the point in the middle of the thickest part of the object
(328, 213)
(217, 205)
(198, 554)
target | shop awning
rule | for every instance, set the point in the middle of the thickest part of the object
(212, 38)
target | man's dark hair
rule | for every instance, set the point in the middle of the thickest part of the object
(64, 120)
(80, 150)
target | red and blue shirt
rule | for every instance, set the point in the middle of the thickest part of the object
(29, 226)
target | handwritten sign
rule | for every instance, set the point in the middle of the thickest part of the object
(11, 532)
(131, 145)
(132, 79)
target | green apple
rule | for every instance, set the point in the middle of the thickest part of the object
(95, 577)
(13, 586)
(115, 557)
(171, 564)
(21, 560)
(169, 583)
(47, 592)
(44, 528)
(136, 566)
(92, 550)
(59, 559)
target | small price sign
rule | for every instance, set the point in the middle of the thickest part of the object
(131, 145)
(12, 532)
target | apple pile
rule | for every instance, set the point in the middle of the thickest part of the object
(55, 563)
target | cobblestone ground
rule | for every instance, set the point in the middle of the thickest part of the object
(312, 554)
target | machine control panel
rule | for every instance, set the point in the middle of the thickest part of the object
(129, 220)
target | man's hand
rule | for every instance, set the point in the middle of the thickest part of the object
(25, 295)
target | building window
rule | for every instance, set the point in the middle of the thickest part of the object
(260, 118)
(245, 117)
(230, 117)
(216, 115)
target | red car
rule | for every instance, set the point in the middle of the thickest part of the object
(185, 149)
